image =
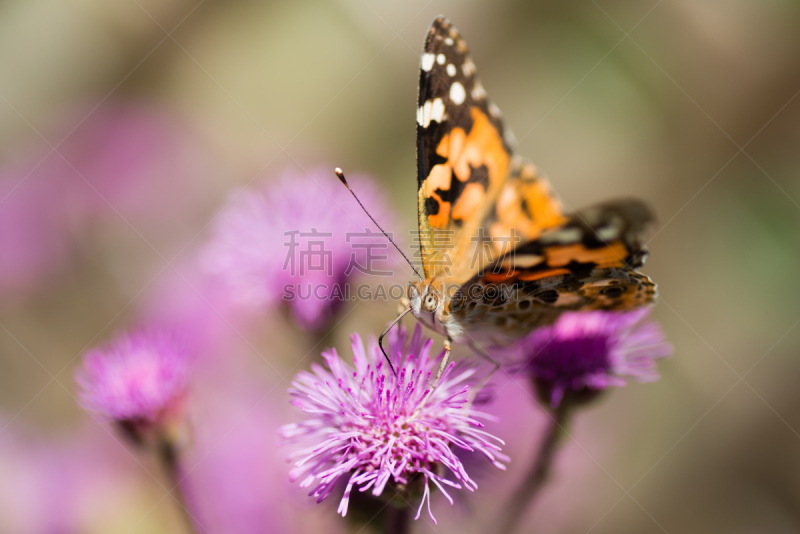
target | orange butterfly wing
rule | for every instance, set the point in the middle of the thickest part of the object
(472, 191)
(490, 224)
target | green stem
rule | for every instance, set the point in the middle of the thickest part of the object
(525, 495)
(168, 456)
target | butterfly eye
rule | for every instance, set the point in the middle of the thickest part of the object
(430, 302)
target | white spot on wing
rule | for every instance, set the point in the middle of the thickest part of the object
(565, 236)
(451, 69)
(426, 114)
(427, 62)
(430, 111)
(608, 233)
(468, 68)
(440, 59)
(478, 92)
(448, 42)
(457, 93)
(494, 110)
(437, 110)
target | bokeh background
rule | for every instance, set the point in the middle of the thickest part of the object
(127, 126)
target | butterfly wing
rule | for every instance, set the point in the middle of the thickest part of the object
(587, 263)
(474, 196)
(490, 224)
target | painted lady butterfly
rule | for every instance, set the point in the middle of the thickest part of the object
(499, 255)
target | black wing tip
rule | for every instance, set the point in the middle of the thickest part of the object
(440, 22)
(636, 209)
(440, 25)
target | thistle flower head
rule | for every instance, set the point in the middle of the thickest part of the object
(137, 379)
(593, 350)
(374, 428)
(296, 243)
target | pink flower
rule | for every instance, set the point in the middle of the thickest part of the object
(296, 244)
(135, 158)
(593, 350)
(122, 159)
(375, 429)
(140, 379)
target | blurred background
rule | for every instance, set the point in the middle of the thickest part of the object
(128, 126)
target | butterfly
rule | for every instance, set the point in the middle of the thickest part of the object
(500, 256)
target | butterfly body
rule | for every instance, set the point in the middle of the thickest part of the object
(429, 304)
(500, 256)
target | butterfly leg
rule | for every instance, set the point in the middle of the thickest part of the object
(483, 354)
(442, 365)
(439, 372)
(380, 339)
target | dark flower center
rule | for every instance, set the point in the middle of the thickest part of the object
(568, 359)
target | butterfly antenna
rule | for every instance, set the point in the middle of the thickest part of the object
(342, 179)
(383, 335)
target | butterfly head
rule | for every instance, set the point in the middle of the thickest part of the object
(426, 298)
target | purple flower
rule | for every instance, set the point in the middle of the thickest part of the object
(593, 350)
(375, 428)
(296, 243)
(139, 380)
(135, 158)
(117, 159)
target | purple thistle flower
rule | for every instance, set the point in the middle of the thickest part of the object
(289, 244)
(374, 427)
(593, 350)
(138, 381)
(136, 157)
